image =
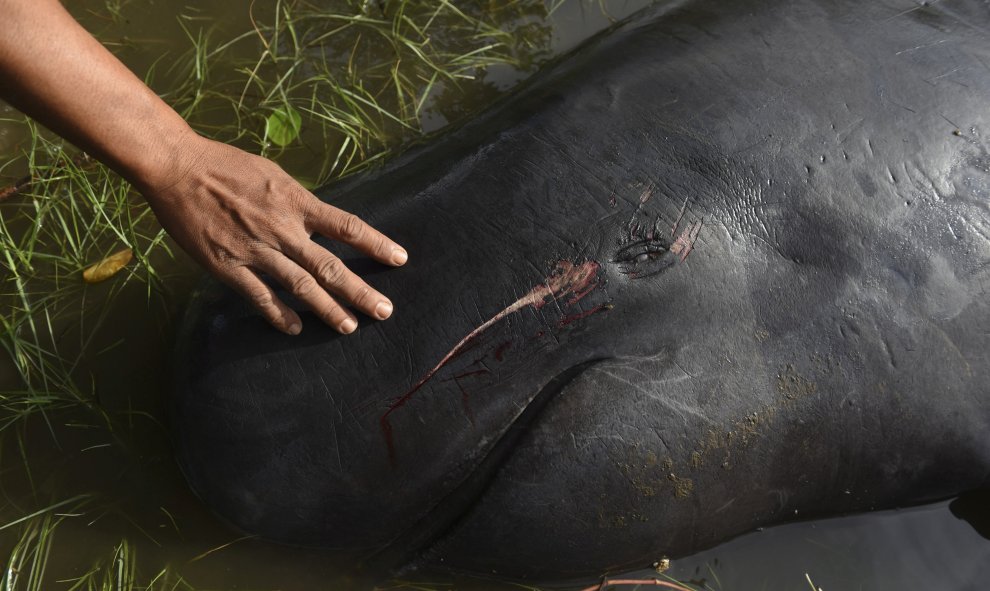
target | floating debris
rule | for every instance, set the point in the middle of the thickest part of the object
(10, 191)
(108, 267)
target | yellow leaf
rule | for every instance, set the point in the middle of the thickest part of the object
(108, 267)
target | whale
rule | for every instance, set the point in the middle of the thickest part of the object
(723, 267)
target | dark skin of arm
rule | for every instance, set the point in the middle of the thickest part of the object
(237, 214)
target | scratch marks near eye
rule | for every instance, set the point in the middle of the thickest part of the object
(582, 315)
(684, 243)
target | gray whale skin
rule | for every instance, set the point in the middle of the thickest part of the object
(724, 267)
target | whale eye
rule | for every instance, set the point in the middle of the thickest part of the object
(644, 258)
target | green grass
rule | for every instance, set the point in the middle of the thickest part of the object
(27, 564)
(73, 213)
(360, 80)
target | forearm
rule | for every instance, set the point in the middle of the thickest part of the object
(54, 71)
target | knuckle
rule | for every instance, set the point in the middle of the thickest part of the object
(260, 298)
(363, 296)
(330, 271)
(383, 246)
(302, 286)
(351, 227)
(332, 313)
(220, 254)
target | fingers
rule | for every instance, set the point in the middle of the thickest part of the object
(326, 272)
(263, 298)
(331, 273)
(302, 284)
(309, 272)
(346, 227)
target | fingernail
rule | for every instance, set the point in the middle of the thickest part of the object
(383, 310)
(295, 328)
(348, 326)
(399, 256)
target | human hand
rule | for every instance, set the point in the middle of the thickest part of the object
(239, 215)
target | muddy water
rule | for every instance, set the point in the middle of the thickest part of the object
(135, 492)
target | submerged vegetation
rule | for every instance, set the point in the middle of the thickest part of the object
(345, 87)
(90, 284)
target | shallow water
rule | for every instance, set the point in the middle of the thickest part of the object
(138, 495)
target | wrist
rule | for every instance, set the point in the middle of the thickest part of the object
(166, 150)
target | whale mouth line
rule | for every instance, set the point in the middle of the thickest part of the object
(446, 514)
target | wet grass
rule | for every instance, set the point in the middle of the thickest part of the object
(71, 213)
(359, 82)
(324, 92)
(27, 565)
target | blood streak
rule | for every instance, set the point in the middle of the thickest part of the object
(465, 399)
(575, 317)
(685, 242)
(568, 279)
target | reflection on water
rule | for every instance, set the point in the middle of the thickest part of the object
(110, 457)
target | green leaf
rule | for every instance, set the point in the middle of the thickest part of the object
(283, 125)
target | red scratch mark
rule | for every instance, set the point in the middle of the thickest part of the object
(611, 200)
(677, 222)
(581, 315)
(685, 242)
(568, 279)
(579, 294)
(465, 399)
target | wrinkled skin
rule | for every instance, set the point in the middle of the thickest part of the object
(782, 214)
